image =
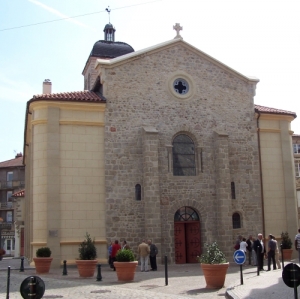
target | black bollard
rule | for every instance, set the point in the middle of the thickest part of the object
(65, 272)
(22, 264)
(32, 287)
(258, 260)
(282, 260)
(166, 270)
(99, 277)
(8, 282)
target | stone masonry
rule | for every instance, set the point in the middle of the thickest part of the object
(138, 98)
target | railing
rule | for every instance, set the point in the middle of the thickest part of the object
(12, 184)
(6, 205)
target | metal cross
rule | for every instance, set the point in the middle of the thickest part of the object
(177, 27)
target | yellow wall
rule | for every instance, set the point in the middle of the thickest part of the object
(68, 193)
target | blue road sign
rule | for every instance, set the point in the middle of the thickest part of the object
(239, 257)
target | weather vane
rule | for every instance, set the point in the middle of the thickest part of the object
(108, 10)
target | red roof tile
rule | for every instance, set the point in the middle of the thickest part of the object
(20, 193)
(12, 163)
(77, 96)
(263, 109)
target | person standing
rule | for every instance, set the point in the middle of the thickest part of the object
(143, 251)
(271, 253)
(297, 243)
(260, 251)
(115, 248)
(153, 253)
(276, 254)
(125, 245)
(243, 245)
(249, 248)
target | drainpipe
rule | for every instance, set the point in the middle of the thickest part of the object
(261, 179)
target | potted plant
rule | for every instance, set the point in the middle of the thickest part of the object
(286, 245)
(2, 253)
(86, 264)
(125, 265)
(42, 260)
(214, 266)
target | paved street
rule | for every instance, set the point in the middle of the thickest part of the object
(185, 281)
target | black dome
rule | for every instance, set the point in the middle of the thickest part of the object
(108, 49)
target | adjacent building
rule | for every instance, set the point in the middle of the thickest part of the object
(166, 143)
(12, 180)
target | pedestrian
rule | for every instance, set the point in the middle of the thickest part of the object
(125, 245)
(237, 243)
(109, 255)
(260, 251)
(143, 251)
(153, 254)
(271, 253)
(249, 248)
(243, 245)
(115, 248)
(277, 254)
(297, 243)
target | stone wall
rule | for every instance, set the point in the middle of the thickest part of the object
(138, 96)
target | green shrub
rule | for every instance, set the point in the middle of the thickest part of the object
(43, 252)
(286, 241)
(125, 255)
(213, 255)
(87, 249)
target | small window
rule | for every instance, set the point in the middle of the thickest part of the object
(232, 190)
(186, 214)
(9, 216)
(183, 156)
(296, 148)
(236, 220)
(297, 167)
(138, 192)
(9, 179)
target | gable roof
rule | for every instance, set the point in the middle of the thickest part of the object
(18, 161)
(124, 58)
(268, 110)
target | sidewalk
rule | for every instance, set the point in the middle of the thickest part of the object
(184, 281)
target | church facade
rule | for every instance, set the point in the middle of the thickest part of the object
(165, 144)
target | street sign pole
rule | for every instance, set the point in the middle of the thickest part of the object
(239, 257)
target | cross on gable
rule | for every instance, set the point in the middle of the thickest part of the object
(177, 27)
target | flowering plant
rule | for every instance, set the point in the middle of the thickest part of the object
(213, 255)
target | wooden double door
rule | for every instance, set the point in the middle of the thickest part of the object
(187, 241)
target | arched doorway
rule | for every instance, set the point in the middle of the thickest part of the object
(187, 235)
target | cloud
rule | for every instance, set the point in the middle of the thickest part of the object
(57, 13)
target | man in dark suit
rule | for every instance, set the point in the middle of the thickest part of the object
(260, 250)
(249, 247)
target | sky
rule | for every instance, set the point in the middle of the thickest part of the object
(52, 39)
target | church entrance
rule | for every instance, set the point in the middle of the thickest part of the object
(186, 235)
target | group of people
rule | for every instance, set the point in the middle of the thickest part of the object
(146, 250)
(257, 251)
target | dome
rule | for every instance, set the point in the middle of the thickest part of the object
(109, 49)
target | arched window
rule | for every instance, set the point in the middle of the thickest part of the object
(236, 220)
(183, 156)
(138, 192)
(186, 214)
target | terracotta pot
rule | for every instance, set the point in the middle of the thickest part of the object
(125, 270)
(42, 264)
(287, 254)
(214, 275)
(86, 268)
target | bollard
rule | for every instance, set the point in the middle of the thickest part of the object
(166, 270)
(282, 260)
(65, 272)
(99, 277)
(22, 264)
(32, 287)
(258, 260)
(8, 282)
